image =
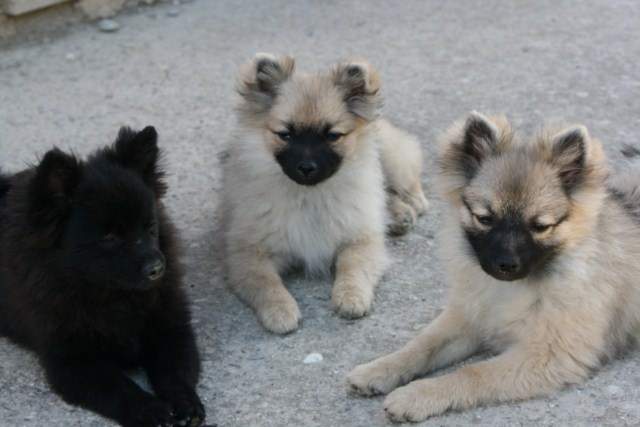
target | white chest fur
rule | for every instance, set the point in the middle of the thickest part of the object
(305, 223)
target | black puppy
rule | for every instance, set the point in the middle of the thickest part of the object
(90, 281)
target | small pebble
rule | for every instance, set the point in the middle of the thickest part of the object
(614, 390)
(313, 358)
(31, 416)
(174, 11)
(108, 25)
(419, 326)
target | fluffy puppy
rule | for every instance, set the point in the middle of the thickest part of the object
(307, 183)
(538, 248)
(90, 281)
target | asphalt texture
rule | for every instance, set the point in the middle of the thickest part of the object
(173, 66)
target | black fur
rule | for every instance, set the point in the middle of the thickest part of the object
(90, 281)
(508, 252)
(5, 184)
(308, 157)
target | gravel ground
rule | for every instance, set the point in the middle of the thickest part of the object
(173, 66)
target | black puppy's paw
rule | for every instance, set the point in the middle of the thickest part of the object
(188, 410)
(151, 413)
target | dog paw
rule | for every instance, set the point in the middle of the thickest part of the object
(150, 413)
(403, 222)
(281, 317)
(352, 303)
(188, 411)
(404, 215)
(372, 378)
(419, 203)
(415, 402)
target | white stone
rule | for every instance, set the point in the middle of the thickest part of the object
(614, 390)
(313, 358)
(108, 25)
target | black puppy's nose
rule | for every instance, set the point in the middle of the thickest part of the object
(153, 270)
(508, 264)
(307, 169)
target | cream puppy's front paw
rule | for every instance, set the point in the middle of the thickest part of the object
(280, 316)
(352, 302)
(377, 377)
(417, 401)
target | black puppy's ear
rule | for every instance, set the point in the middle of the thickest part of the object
(53, 186)
(5, 183)
(259, 82)
(57, 174)
(360, 84)
(139, 151)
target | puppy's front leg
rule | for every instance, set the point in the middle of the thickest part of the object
(173, 365)
(444, 341)
(100, 386)
(359, 266)
(254, 278)
(519, 373)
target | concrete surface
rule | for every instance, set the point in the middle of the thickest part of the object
(173, 66)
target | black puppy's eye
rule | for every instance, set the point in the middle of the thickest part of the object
(284, 135)
(539, 228)
(485, 220)
(109, 240)
(333, 136)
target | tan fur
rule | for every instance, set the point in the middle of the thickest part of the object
(549, 330)
(402, 169)
(273, 223)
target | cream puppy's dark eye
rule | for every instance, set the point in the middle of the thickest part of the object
(486, 220)
(333, 136)
(539, 228)
(284, 135)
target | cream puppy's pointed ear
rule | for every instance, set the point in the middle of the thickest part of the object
(259, 81)
(577, 156)
(466, 146)
(360, 84)
(479, 138)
